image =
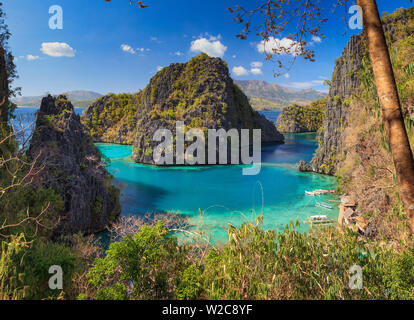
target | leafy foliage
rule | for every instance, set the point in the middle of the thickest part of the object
(144, 266)
(10, 279)
(302, 118)
(254, 264)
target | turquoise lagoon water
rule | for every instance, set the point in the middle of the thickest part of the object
(222, 193)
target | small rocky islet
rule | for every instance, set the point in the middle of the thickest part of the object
(301, 119)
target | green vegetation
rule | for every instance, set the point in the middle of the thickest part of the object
(151, 260)
(108, 113)
(253, 264)
(302, 118)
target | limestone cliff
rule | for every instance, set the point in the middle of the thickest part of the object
(71, 165)
(353, 144)
(200, 93)
(343, 84)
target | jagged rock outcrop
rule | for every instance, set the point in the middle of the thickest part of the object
(200, 93)
(71, 166)
(298, 119)
(303, 166)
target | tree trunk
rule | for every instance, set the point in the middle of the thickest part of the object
(4, 88)
(390, 105)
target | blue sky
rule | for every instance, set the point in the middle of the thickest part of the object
(115, 47)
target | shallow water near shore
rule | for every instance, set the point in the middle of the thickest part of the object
(216, 196)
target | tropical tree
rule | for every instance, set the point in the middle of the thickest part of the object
(390, 104)
(7, 75)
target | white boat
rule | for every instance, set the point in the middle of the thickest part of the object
(323, 205)
(318, 192)
(321, 219)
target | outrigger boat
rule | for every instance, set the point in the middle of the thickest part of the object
(323, 205)
(318, 192)
(321, 219)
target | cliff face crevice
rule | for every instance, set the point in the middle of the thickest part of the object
(71, 166)
(199, 93)
(344, 83)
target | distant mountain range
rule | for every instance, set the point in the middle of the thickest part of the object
(264, 95)
(79, 98)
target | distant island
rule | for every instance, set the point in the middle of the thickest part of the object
(299, 119)
(79, 99)
(268, 96)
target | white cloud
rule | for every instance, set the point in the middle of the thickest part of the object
(256, 64)
(306, 84)
(30, 57)
(287, 75)
(256, 71)
(234, 57)
(212, 47)
(240, 71)
(159, 68)
(127, 48)
(178, 53)
(316, 39)
(57, 49)
(214, 38)
(285, 46)
(155, 39)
